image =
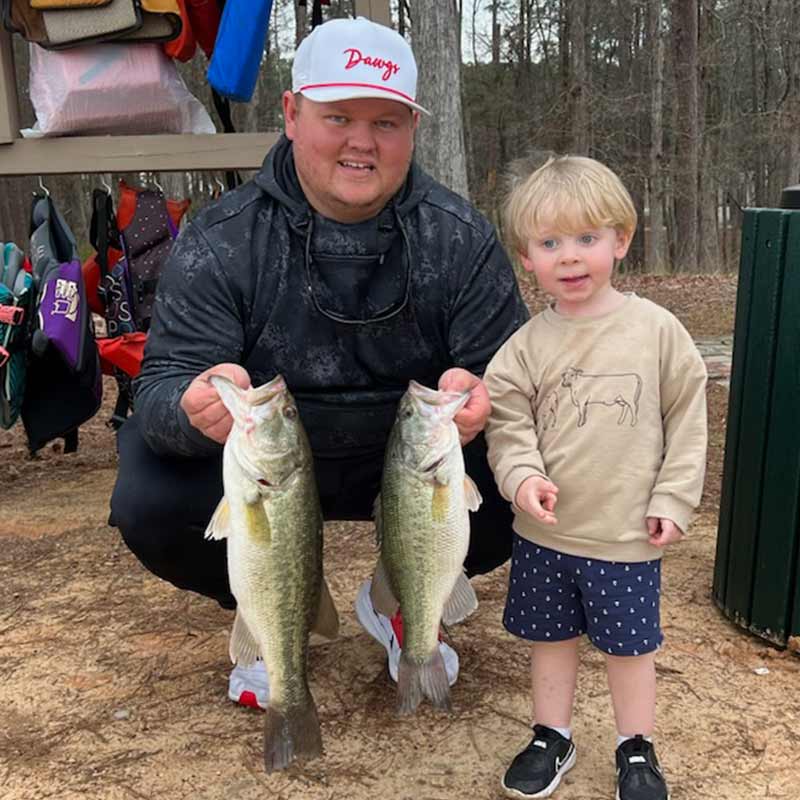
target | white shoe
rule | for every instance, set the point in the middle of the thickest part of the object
(389, 632)
(249, 686)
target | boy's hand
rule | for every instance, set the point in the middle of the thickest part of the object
(538, 497)
(471, 420)
(663, 531)
(203, 405)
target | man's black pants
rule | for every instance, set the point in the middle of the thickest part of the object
(162, 507)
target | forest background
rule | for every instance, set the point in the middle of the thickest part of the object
(696, 103)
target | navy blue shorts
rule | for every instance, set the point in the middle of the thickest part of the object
(553, 596)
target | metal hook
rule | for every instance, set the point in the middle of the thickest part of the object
(220, 184)
(105, 185)
(43, 187)
(158, 185)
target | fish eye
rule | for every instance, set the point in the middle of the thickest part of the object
(406, 413)
(290, 412)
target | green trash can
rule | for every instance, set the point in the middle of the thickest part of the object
(757, 564)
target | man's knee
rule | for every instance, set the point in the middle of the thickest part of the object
(133, 512)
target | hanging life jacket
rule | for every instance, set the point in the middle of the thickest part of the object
(16, 296)
(131, 249)
(64, 383)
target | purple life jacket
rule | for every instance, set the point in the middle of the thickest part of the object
(64, 382)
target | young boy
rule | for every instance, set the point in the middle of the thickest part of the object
(598, 439)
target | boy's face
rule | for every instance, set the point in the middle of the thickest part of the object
(576, 268)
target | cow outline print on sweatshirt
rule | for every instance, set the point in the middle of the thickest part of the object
(611, 389)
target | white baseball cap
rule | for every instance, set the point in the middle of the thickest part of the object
(346, 59)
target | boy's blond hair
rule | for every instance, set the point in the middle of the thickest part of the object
(570, 194)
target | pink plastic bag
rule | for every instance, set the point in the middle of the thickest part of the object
(111, 88)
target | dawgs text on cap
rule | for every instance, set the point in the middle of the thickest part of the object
(346, 59)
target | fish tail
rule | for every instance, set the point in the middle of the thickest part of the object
(415, 681)
(291, 734)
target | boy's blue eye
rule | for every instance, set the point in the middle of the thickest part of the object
(587, 238)
(549, 244)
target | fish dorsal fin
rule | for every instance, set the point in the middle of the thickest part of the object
(327, 621)
(220, 521)
(461, 603)
(471, 493)
(243, 648)
(383, 599)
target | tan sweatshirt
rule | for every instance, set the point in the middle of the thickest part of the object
(612, 409)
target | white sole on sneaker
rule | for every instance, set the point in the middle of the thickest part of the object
(548, 790)
(380, 628)
(249, 686)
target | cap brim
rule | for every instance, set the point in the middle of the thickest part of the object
(332, 94)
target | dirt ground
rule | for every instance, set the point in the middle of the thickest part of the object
(114, 683)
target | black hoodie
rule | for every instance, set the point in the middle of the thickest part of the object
(236, 289)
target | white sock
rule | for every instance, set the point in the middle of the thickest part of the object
(565, 732)
(621, 738)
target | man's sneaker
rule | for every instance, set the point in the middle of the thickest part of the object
(639, 775)
(249, 686)
(538, 769)
(389, 632)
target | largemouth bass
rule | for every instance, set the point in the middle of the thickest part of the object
(271, 517)
(422, 522)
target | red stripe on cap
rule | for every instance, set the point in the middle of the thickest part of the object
(357, 85)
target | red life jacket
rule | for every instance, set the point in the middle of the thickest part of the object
(204, 16)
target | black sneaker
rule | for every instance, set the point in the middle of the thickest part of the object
(538, 769)
(639, 776)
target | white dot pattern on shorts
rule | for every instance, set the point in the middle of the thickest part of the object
(575, 585)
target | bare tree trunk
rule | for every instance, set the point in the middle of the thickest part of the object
(708, 236)
(440, 145)
(684, 24)
(565, 67)
(495, 34)
(473, 30)
(792, 115)
(579, 89)
(15, 210)
(656, 258)
(300, 23)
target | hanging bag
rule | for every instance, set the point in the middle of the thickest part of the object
(239, 48)
(74, 27)
(16, 294)
(64, 383)
(111, 89)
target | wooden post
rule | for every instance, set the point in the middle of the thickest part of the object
(9, 113)
(376, 10)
